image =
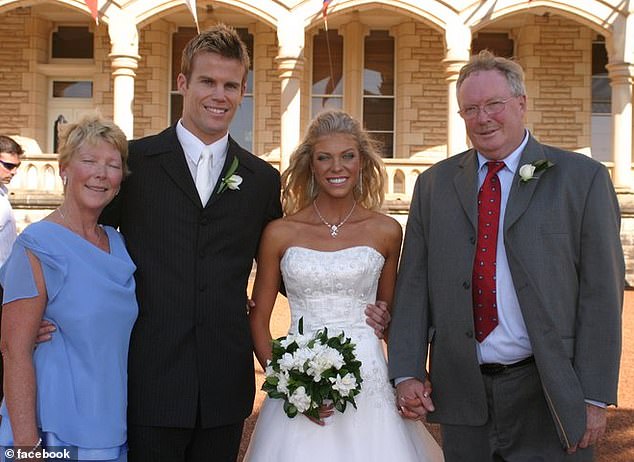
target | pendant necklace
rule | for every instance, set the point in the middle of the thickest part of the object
(97, 228)
(334, 229)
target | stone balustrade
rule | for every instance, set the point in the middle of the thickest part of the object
(38, 185)
(37, 189)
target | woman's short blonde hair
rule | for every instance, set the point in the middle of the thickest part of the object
(91, 130)
(299, 188)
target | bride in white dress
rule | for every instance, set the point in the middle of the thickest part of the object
(336, 255)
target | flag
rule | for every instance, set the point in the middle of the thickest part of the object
(324, 9)
(94, 11)
(191, 4)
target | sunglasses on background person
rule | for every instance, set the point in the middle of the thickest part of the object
(9, 165)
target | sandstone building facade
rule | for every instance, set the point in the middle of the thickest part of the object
(391, 63)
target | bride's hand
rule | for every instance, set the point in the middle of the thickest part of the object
(413, 398)
(325, 411)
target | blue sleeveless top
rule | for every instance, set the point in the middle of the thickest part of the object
(81, 373)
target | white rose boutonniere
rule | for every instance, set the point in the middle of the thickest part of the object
(527, 171)
(231, 180)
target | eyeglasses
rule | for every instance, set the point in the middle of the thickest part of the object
(9, 165)
(494, 107)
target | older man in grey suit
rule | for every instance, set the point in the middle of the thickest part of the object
(512, 274)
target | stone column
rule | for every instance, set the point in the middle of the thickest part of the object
(458, 39)
(621, 76)
(354, 33)
(124, 39)
(290, 62)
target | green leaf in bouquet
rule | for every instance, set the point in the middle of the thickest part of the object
(340, 406)
(326, 375)
(277, 395)
(300, 326)
(292, 348)
(290, 410)
(324, 394)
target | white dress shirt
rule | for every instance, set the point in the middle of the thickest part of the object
(192, 146)
(8, 229)
(508, 342)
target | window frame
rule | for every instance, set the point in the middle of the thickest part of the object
(55, 29)
(391, 151)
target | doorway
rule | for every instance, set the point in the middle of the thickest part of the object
(69, 101)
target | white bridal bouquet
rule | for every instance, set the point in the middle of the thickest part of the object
(307, 371)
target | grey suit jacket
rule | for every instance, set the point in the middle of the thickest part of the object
(561, 235)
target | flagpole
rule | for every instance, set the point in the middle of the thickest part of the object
(332, 71)
(191, 5)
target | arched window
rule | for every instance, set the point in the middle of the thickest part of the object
(399, 182)
(31, 177)
(49, 178)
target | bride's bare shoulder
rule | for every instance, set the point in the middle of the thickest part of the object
(285, 228)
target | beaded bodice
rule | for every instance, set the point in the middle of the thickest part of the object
(331, 288)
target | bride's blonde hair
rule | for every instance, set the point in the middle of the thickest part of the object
(298, 185)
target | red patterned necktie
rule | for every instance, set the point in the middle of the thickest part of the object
(485, 312)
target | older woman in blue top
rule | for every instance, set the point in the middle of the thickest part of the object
(71, 392)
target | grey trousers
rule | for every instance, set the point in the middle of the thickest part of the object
(519, 428)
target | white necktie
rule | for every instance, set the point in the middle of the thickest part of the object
(204, 182)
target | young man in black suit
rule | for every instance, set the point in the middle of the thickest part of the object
(192, 211)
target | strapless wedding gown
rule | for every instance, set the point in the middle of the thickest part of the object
(332, 289)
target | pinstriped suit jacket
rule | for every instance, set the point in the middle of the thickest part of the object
(191, 345)
(562, 241)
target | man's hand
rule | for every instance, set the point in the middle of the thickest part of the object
(45, 331)
(596, 421)
(413, 399)
(378, 317)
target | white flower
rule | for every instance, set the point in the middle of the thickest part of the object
(300, 399)
(302, 356)
(290, 338)
(333, 357)
(301, 340)
(295, 360)
(526, 172)
(344, 385)
(282, 384)
(233, 182)
(286, 362)
(325, 358)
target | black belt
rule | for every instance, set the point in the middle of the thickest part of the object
(497, 368)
